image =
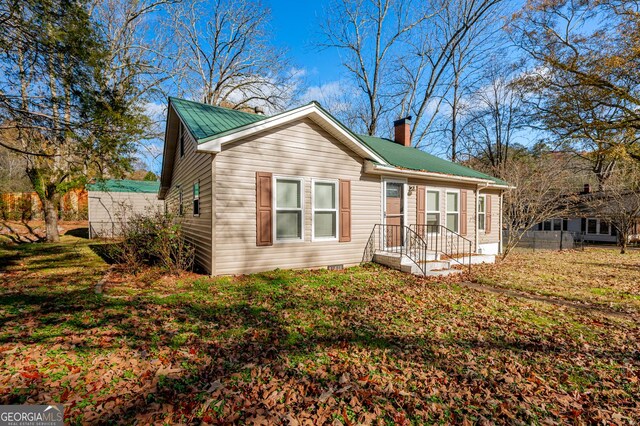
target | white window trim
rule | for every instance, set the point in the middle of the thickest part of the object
(275, 209)
(482, 212)
(314, 210)
(598, 221)
(447, 212)
(197, 182)
(426, 207)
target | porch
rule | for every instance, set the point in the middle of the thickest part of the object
(427, 250)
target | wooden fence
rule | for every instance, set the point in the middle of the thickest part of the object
(27, 206)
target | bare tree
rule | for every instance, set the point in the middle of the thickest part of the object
(12, 171)
(443, 41)
(400, 53)
(223, 55)
(139, 59)
(539, 193)
(469, 61)
(494, 117)
(371, 35)
(618, 202)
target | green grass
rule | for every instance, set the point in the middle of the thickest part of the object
(364, 344)
(597, 276)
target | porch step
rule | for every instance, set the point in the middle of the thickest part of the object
(404, 264)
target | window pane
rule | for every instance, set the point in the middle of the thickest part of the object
(592, 226)
(433, 219)
(481, 204)
(547, 225)
(288, 194)
(325, 195)
(288, 225)
(452, 202)
(452, 221)
(557, 224)
(394, 190)
(604, 228)
(196, 190)
(324, 224)
(481, 220)
(433, 202)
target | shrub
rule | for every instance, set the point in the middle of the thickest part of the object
(154, 239)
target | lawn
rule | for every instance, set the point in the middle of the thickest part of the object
(597, 276)
(361, 346)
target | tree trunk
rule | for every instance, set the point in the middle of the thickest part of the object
(623, 238)
(50, 204)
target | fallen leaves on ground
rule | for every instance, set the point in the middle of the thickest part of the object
(361, 346)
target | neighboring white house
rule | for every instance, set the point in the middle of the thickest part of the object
(301, 190)
(111, 201)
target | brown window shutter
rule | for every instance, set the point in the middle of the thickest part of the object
(420, 205)
(264, 227)
(345, 211)
(487, 224)
(463, 212)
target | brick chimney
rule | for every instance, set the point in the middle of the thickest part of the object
(402, 131)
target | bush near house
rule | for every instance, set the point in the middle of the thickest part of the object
(364, 345)
(154, 238)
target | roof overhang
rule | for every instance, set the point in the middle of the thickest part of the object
(312, 111)
(387, 170)
(168, 150)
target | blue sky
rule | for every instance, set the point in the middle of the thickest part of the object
(295, 27)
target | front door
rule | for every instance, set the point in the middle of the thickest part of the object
(394, 213)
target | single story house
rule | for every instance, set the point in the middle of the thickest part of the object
(112, 201)
(588, 229)
(300, 190)
(590, 214)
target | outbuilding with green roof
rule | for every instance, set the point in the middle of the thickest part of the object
(114, 201)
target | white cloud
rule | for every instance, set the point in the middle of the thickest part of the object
(336, 96)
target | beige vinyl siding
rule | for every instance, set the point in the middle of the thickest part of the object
(438, 186)
(107, 210)
(494, 235)
(471, 206)
(301, 149)
(187, 170)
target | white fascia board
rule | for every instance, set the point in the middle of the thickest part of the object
(311, 111)
(370, 167)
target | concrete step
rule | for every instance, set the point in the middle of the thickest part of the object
(442, 273)
(433, 266)
(405, 264)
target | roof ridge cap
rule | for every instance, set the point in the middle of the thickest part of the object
(213, 106)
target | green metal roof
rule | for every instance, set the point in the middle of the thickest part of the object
(125, 185)
(416, 159)
(204, 121)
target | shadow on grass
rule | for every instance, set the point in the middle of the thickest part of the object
(260, 325)
(106, 251)
(79, 233)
